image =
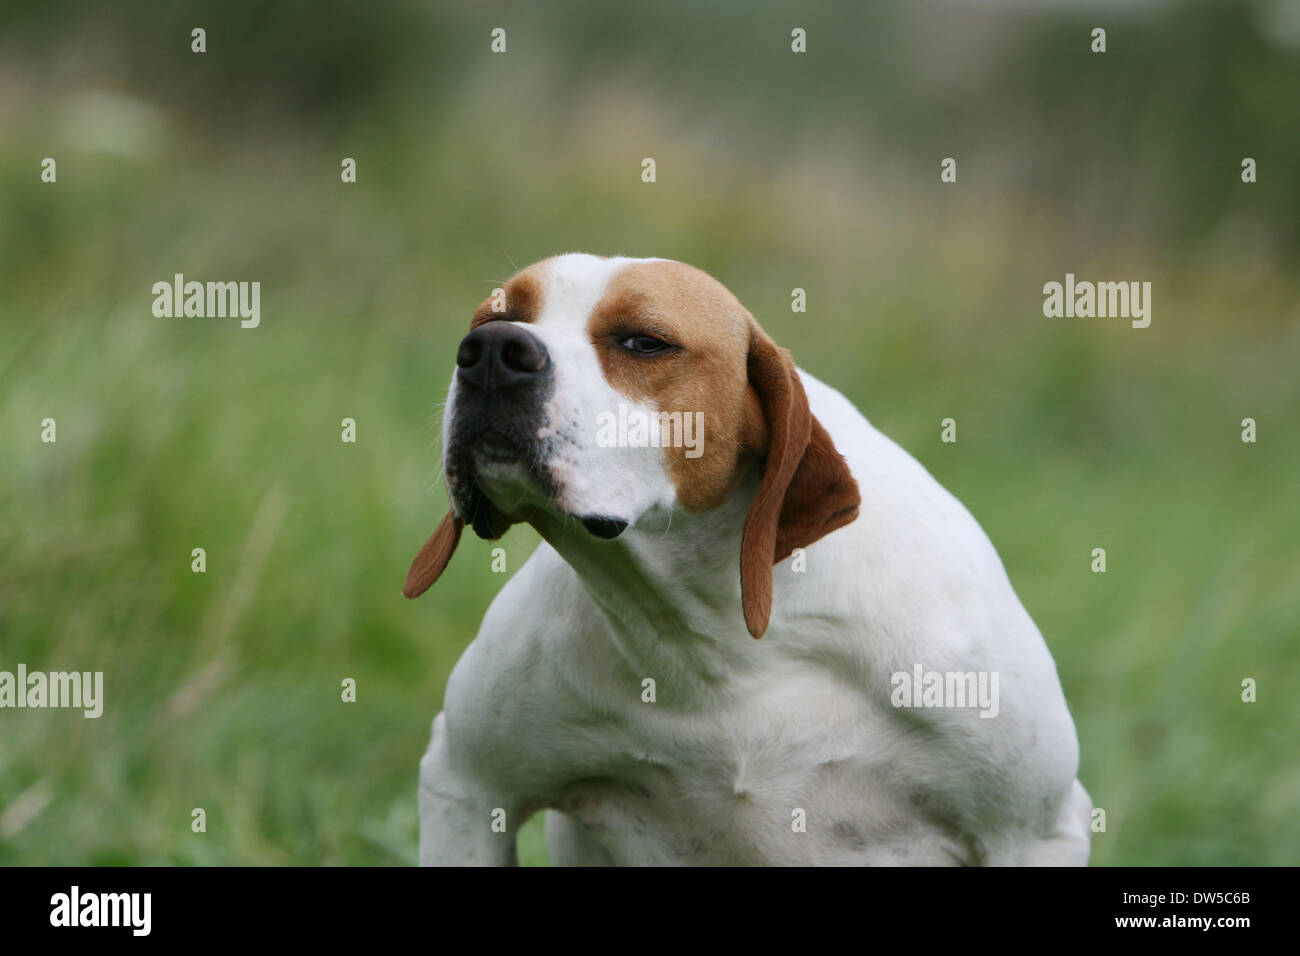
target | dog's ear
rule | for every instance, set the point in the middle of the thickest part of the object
(488, 523)
(433, 557)
(807, 490)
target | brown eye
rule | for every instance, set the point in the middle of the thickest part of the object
(643, 344)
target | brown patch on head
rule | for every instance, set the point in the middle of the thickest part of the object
(721, 363)
(522, 300)
(704, 371)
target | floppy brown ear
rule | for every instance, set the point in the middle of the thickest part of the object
(807, 490)
(433, 557)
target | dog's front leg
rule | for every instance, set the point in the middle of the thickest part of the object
(461, 822)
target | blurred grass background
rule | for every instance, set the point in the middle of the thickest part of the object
(775, 171)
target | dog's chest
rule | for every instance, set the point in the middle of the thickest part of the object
(795, 774)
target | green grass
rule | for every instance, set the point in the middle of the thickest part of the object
(223, 688)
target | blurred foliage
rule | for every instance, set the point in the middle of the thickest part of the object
(775, 171)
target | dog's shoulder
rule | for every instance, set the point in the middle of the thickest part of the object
(542, 604)
(508, 699)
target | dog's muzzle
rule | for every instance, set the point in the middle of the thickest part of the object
(504, 377)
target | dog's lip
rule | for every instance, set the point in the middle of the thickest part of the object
(471, 502)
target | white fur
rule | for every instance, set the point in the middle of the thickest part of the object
(544, 710)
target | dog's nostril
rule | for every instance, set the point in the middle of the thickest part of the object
(470, 351)
(522, 356)
(500, 355)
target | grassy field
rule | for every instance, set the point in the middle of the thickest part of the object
(925, 302)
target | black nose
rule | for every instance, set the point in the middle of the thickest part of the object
(500, 354)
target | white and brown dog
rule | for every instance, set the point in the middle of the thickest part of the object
(615, 681)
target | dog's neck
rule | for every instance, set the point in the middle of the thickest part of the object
(669, 586)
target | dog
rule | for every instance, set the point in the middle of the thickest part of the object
(616, 682)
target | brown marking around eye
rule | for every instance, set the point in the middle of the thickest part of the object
(523, 300)
(706, 372)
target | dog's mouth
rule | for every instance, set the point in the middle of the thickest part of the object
(503, 468)
(479, 512)
(496, 464)
(501, 463)
(476, 508)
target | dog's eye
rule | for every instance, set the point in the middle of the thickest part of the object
(645, 344)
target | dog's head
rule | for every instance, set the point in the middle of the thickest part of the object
(618, 391)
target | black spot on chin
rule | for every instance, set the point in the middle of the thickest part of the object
(603, 527)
